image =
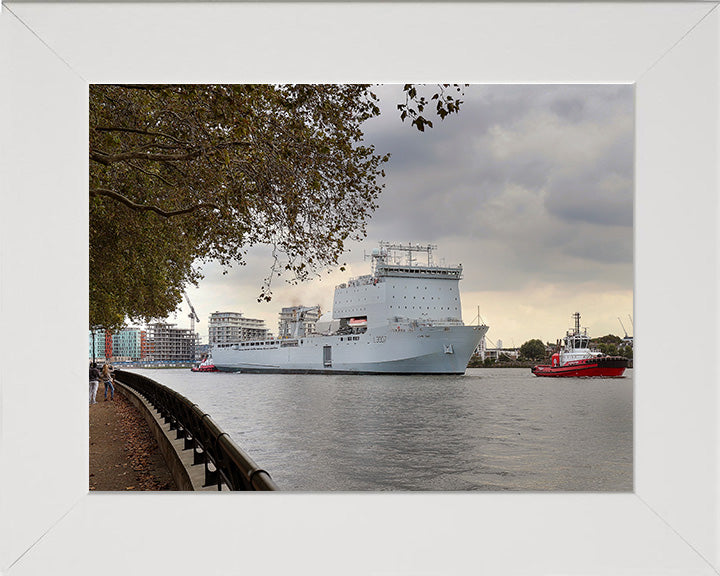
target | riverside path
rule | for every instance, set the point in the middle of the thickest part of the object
(124, 455)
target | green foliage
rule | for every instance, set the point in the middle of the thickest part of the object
(612, 346)
(533, 349)
(415, 104)
(180, 175)
(609, 349)
(608, 339)
(184, 174)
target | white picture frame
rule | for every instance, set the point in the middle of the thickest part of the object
(50, 524)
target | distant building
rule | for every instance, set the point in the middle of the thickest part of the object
(227, 327)
(129, 345)
(497, 353)
(484, 352)
(289, 317)
(99, 340)
(481, 348)
(168, 343)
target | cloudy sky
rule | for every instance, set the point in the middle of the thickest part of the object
(530, 188)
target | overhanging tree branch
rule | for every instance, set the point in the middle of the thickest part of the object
(139, 153)
(136, 131)
(150, 208)
(152, 174)
(111, 158)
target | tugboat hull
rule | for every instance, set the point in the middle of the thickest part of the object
(602, 367)
(206, 368)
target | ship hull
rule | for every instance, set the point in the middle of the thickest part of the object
(602, 367)
(423, 350)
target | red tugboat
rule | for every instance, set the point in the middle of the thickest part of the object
(205, 366)
(577, 360)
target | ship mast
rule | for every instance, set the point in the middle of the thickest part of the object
(391, 250)
(577, 322)
(400, 259)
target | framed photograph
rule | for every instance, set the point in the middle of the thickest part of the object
(51, 53)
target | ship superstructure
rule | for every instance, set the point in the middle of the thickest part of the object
(576, 344)
(404, 317)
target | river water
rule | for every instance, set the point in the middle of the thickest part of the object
(491, 429)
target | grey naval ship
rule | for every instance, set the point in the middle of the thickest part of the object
(404, 318)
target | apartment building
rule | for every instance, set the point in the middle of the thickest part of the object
(225, 327)
(288, 318)
(100, 345)
(129, 345)
(168, 343)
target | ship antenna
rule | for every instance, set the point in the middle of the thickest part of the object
(479, 318)
(577, 322)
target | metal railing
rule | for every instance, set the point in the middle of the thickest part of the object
(224, 461)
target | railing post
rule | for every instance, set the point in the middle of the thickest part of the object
(211, 476)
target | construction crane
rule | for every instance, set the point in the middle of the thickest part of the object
(631, 322)
(193, 315)
(623, 327)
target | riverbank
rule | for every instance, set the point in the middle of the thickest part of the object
(123, 453)
(477, 363)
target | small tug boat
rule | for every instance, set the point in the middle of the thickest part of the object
(205, 366)
(576, 360)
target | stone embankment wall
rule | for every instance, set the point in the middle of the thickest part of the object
(187, 475)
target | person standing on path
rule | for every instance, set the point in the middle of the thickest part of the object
(108, 381)
(94, 382)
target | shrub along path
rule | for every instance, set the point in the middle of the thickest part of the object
(123, 453)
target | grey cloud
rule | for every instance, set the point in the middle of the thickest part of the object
(620, 157)
(572, 222)
(585, 203)
(606, 249)
(602, 194)
(526, 215)
(570, 109)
